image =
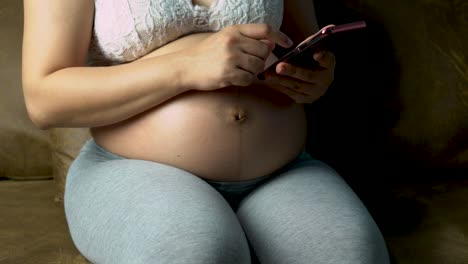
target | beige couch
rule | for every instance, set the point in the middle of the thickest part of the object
(394, 123)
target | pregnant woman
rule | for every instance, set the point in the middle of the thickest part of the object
(192, 159)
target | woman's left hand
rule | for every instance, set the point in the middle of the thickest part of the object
(301, 84)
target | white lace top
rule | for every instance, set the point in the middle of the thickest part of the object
(125, 30)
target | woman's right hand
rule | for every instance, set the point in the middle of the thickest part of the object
(232, 56)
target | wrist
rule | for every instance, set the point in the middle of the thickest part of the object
(185, 72)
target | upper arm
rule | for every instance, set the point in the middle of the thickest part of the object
(56, 36)
(299, 20)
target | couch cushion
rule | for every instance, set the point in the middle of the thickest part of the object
(24, 149)
(429, 221)
(33, 229)
(65, 145)
(430, 43)
(401, 90)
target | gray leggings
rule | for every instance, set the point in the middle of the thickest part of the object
(133, 211)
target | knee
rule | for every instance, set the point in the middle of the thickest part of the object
(359, 242)
(204, 242)
(345, 242)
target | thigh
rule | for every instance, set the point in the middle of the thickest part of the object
(308, 214)
(134, 211)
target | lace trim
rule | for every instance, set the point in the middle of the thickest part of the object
(125, 30)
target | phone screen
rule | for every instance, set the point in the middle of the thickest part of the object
(302, 54)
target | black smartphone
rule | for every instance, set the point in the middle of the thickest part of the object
(302, 54)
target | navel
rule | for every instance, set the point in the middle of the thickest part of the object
(238, 115)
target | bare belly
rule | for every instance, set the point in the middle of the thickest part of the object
(230, 134)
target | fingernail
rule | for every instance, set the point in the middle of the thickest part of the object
(288, 40)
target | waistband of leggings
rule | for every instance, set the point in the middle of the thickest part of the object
(92, 146)
(242, 184)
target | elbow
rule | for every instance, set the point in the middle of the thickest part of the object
(36, 109)
(41, 124)
(38, 115)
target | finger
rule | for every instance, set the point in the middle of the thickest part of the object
(314, 78)
(290, 93)
(264, 31)
(297, 97)
(290, 83)
(301, 92)
(260, 49)
(251, 63)
(325, 59)
(305, 75)
(270, 44)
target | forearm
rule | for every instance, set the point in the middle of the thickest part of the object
(97, 96)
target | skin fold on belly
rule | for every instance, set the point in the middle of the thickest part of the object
(230, 134)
